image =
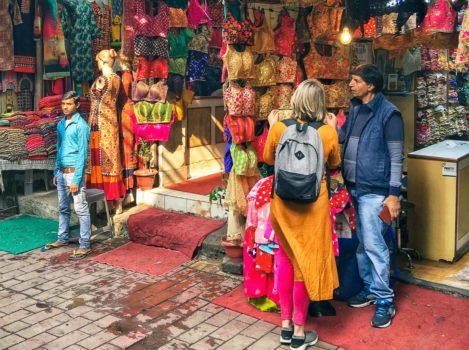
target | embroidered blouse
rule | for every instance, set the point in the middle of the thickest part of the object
(197, 66)
(239, 64)
(240, 101)
(151, 25)
(265, 73)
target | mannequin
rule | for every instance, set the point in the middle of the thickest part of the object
(126, 132)
(104, 169)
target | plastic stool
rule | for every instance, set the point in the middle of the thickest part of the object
(94, 195)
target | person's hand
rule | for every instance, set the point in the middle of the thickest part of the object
(331, 120)
(54, 181)
(273, 117)
(73, 188)
(394, 205)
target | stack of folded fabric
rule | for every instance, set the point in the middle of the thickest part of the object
(48, 130)
(12, 144)
(21, 119)
(34, 141)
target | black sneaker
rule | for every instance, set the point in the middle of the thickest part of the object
(362, 299)
(285, 335)
(384, 313)
(301, 343)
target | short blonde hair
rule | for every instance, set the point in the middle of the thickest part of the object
(309, 102)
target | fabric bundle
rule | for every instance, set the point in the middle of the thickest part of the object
(12, 144)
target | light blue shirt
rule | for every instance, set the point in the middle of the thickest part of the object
(72, 146)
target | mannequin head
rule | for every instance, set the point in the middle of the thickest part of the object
(106, 58)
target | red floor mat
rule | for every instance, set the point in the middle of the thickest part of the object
(141, 258)
(175, 231)
(425, 320)
(202, 185)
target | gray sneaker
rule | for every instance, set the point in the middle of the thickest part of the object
(301, 343)
(362, 299)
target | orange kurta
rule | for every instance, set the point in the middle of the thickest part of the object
(304, 229)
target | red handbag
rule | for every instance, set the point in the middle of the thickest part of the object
(242, 129)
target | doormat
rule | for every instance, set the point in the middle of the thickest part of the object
(23, 233)
(170, 230)
(424, 320)
(141, 258)
(201, 185)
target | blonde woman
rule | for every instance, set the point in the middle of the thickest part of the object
(307, 269)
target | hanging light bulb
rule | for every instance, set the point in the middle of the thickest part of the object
(345, 36)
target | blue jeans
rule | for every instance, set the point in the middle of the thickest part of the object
(81, 208)
(372, 250)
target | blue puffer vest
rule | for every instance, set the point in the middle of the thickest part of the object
(373, 162)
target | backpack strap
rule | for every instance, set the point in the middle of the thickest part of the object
(289, 121)
(293, 121)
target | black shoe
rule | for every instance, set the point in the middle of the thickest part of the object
(384, 313)
(301, 343)
(362, 299)
(285, 335)
(321, 308)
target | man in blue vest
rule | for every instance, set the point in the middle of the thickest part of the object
(373, 139)
(73, 135)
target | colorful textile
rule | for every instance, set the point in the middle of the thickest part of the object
(440, 17)
(462, 55)
(244, 159)
(263, 35)
(103, 23)
(238, 64)
(284, 35)
(80, 29)
(241, 128)
(335, 66)
(147, 25)
(197, 66)
(240, 100)
(151, 132)
(6, 32)
(153, 113)
(56, 63)
(129, 158)
(179, 42)
(197, 14)
(238, 32)
(265, 73)
(25, 46)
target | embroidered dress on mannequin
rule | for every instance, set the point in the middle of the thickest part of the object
(198, 14)
(148, 25)
(239, 65)
(80, 29)
(284, 35)
(265, 73)
(127, 134)
(104, 168)
(200, 42)
(151, 46)
(263, 35)
(6, 32)
(197, 66)
(240, 100)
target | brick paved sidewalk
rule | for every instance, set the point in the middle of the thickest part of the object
(47, 302)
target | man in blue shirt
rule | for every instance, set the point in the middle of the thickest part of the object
(73, 135)
(373, 139)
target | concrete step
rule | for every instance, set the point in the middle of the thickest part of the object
(183, 202)
(45, 204)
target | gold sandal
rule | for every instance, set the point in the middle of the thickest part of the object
(55, 245)
(79, 254)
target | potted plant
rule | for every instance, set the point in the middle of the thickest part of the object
(232, 242)
(146, 176)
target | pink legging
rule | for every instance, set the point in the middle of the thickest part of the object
(293, 295)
